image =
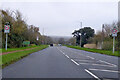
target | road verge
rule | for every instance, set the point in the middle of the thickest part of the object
(106, 52)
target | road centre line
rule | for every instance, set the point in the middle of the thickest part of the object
(108, 63)
(92, 74)
(79, 64)
(64, 54)
(74, 62)
(61, 51)
(104, 70)
(67, 56)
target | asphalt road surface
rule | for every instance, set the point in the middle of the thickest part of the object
(63, 62)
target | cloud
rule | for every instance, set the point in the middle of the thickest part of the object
(64, 17)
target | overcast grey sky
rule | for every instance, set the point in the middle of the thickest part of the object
(61, 18)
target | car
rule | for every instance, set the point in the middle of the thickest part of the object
(59, 45)
(51, 44)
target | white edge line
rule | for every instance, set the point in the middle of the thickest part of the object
(92, 74)
(74, 62)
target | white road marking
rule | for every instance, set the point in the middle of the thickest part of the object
(92, 74)
(90, 57)
(108, 63)
(86, 61)
(61, 51)
(96, 64)
(64, 53)
(105, 70)
(74, 62)
(67, 56)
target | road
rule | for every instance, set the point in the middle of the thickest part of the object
(63, 62)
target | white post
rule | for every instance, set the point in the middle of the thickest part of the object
(113, 44)
(6, 41)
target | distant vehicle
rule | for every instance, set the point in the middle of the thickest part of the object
(59, 45)
(51, 44)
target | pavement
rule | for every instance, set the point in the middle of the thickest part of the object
(63, 62)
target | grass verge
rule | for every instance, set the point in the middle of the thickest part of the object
(15, 49)
(97, 51)
(13, 57)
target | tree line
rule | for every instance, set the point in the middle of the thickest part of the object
(19, 30)
(103, 38)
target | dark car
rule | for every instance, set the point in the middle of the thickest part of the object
(51, 44)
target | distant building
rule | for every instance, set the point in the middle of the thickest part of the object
(119, 11)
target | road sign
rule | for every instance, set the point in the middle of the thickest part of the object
(7, 28)
(114, 34)
(27, 43)
(114, 31)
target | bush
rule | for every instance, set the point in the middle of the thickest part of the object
(107, 45)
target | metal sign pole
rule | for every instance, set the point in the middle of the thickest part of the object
(6, 41)
(113, 44)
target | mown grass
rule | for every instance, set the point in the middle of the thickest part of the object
(13, 57)
(97, 51)
(15, 49)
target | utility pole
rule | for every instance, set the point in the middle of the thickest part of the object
(81, 36)
(102, 35)
(43, 36)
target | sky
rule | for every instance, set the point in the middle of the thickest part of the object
(62, 17)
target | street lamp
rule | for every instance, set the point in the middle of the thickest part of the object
(81, 36)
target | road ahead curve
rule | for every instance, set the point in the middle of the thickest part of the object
(63, 62)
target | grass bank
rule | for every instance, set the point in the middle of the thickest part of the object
(13, 57)
(97, 51)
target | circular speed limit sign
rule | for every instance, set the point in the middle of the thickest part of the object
(7, 27)
(114, 31)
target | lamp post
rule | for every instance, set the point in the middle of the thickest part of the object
(81, 36)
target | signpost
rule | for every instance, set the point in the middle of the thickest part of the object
(114, 34)
(27, 43)
(6, 30)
